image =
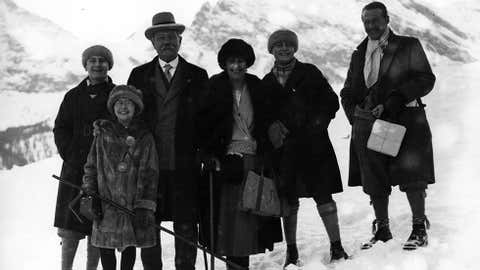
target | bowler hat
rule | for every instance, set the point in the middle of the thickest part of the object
(163, 21)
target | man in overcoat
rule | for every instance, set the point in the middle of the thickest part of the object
(174, 92)
(387, 77)
(73, 135)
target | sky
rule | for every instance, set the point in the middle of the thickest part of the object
(109, 20)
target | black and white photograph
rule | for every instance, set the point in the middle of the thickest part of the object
(239, 134)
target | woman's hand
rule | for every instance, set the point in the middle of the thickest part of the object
(277, 132)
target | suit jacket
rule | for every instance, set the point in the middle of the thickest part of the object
(405, 72)
(188, 90)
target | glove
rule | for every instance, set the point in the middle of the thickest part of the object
(143, 217)
(394, 105)
(211, 164)
(378, 110)
(277, 133)
(89, 190)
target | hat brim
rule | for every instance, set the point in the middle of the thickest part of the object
(164, 27)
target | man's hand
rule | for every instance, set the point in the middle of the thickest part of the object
(394, 105)
(377, 111)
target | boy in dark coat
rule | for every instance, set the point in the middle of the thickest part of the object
(73, 136)
(300, 104)
(388, 75)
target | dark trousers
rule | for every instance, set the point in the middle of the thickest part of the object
(185, 254)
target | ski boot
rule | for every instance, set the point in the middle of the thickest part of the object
(418, 237)
(380, 231)
(337, 252)
(291, 261)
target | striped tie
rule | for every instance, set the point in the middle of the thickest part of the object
(168, 75)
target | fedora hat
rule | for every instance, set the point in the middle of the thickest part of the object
(163, 21)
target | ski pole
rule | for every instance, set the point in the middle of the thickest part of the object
(159, 227)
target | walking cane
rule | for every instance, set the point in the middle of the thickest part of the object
(212, 238)
(159, 227)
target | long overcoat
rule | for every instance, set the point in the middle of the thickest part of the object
(306, 105)
(190, 82)
(242, 232)
(132, 187)
(73, 138)
(405, 71)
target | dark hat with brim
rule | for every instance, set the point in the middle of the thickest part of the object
(163, 21)
(236, 48)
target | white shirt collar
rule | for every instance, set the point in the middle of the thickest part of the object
(173, 63)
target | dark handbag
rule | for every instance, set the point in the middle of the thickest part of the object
(90, 208)
(260, 197)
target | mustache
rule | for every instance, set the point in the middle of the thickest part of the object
(164, 47)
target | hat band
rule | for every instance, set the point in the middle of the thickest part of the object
(161, 23)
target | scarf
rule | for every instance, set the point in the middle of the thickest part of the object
(282, 72)
(373, 56)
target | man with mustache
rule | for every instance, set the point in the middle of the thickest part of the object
(387, 77)
(173, 93)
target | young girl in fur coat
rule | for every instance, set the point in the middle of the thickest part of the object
(123, 166)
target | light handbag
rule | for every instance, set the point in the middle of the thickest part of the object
(386, 137)
(259, 196)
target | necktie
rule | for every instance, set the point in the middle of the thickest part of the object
(372, 65)
(167, 68)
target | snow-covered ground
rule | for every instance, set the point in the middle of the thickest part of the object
(28, 194)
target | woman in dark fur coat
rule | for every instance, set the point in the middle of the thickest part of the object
(235, 138)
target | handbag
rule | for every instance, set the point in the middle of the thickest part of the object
(90, 208)
(386, 137)
(259, 196)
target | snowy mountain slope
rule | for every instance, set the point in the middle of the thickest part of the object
(37, 55)
(326, 38)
